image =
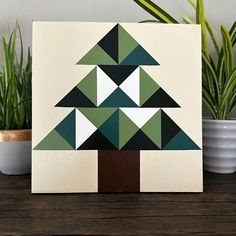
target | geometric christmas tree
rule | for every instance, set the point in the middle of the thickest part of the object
(117, 105)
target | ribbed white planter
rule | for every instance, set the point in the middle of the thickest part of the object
(219, 146)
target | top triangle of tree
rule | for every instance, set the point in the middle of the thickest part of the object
(117, 47)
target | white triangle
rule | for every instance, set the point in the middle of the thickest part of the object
(131, 86)
(140, 116)
(105, 86)
(84, 128)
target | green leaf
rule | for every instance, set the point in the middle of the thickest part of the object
(187, 20)
(228, 88)
(221, 72)
(21, 51)
(233, 102)
(149, 21)
(209, 101)
(211, 77)
(227, 50)
(7, 67)
(232, 33)
(208, 27)
(200, 19)
(213, 37)
(192, 3)
(156, 11)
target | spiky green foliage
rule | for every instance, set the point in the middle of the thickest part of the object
(219, 73)
(15, 84)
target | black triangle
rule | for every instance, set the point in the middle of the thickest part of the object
(168, 129)
(140, 142)
(75, 98)
(160, 99)
(118, 73)
(109, 43)
(97, 141)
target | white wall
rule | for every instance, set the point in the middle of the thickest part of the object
(217, 11)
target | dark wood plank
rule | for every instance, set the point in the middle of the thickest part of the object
(210, 213)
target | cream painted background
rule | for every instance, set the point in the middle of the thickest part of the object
(166, 171)
(64, 171)
(176, 47)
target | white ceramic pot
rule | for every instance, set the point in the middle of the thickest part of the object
(219, 146)
(15, 152)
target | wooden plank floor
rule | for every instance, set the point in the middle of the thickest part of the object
(210, 213)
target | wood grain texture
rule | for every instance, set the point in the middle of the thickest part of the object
(210, 213)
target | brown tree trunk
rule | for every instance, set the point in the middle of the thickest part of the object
(118, 171)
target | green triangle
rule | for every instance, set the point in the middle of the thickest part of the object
(66, 128)
(110, 128)
(88, 85)
(118, 99)
(139, 56)
(53, 141)
(126, 43)
(96, 56)
(147, 86)
(181, 142)
(97, 115)
(127, 129)
(152, 128)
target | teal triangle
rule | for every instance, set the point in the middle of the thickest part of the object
(181, 141)
(139, 56)
(110, 128)
(66, 128)
(118, 99)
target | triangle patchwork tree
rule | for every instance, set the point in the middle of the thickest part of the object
(117, 105)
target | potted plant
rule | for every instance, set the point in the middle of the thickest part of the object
(218, 88)
(15, 107)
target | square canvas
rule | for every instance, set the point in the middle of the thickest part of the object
(116, 107)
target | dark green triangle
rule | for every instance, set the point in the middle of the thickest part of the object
(109, 43)
(110, 129)
(147, 86)
(127, 129)
(88, 85)
(160, 99)
(96, 56)
(66, 128)
(75, 98)
(140, 141)
(53, 141)
(126, 43)
(118, 99)
(152, 128)
(181, 142)
(97, 141)
(97, 115)
(118, 73)
(139, 56)
(168, 129)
